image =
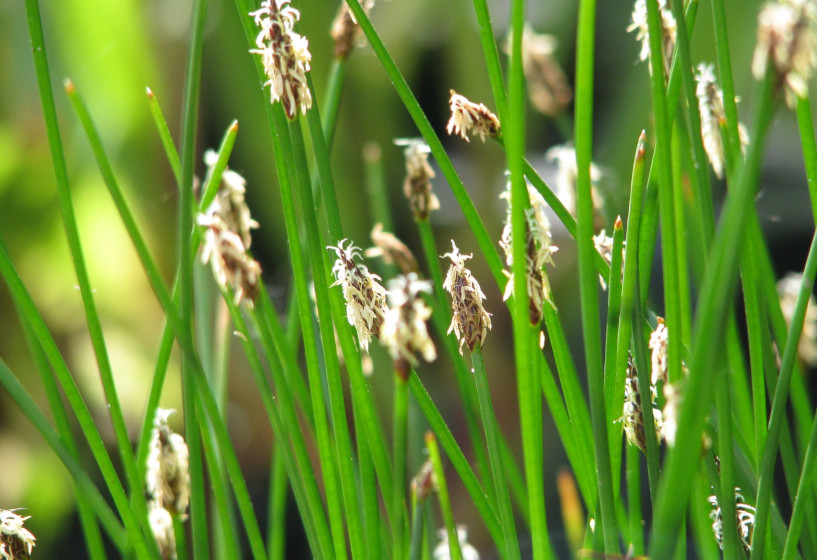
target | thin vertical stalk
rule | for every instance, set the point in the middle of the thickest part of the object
(491, 56)
(585, 59)
(445, 501)
(530, 398)
(165, 136)
(511, 551)
(716, 294)
(71, 229)
(277, 507)
(399, 459)
(765, 476)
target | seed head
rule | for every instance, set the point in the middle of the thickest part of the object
(787, 36)
(548, 89)
(417, 186)
(669, 30)
(471, 322)
(365, 297)
(424, 482)
(788, 289)
(161, 525)
(567, 173)
(16, 542)
(168, 476)
(658, 344)
(745, 519)
(633, 417)
(443, 550)
(284, 54)
(392, 250)
(710, 106)
(471, 118)
(345, 30)
(672, 409)
(539, 252)
(404, 328)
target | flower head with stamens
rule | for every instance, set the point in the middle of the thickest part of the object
(471, 322)
(633, 417)
(284, 54)
(161, 525)
(787, 36)
(392, 250)
(365, 297)
(168, 476)
(669, 30)
(417, 185)
(567, 174)
(710, 106)
(788, 288)
(539, 252)
(658, 344)
(745, 519)
(404, 332)
(471, 118)
(16, 542)
(227, 237)
(443, 551)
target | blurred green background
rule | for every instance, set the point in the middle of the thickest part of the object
(114, 50)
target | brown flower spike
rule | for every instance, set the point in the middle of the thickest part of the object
(471, 322)
(365, 297)
(417, 186)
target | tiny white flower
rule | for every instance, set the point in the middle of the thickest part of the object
(788, 289)
(443, 550)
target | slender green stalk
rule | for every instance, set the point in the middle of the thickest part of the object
(726, 495)
(458, 460)
(85, 507)
(628, 292)
(491, 56)
(165, 136)
(198, 498)
(213, 180)
(611, 389)
(634, 519)
(30, 314)
(417, 525)
(802, 496)
(82, 481)
(441, 317)
(806, 128)
(319, 257)
(399, 459)
(716, 292)
(779, 402)
(445, 500)
(277, 508)
(527, 370)
(489, 424)
(585, 59)
(75, 245)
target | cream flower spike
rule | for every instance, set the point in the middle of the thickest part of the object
(471, 322)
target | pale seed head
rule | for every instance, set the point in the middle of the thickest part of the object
(443, 551)
(669, 30)
(788, 289)
(16, 542)
(745, 520)
(471, 118)
(658, 344)
(404, 332)
(417, 186)
(168, 475)
(392, 250)
(161, 525)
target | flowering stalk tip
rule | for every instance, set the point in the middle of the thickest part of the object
(471, 322)
(471, 118)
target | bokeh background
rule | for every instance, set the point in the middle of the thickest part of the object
(114, 50)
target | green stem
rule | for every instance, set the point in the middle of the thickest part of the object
(400, 459)
(445, 501)
(585, 60)
(277, 509)
(511, 551)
